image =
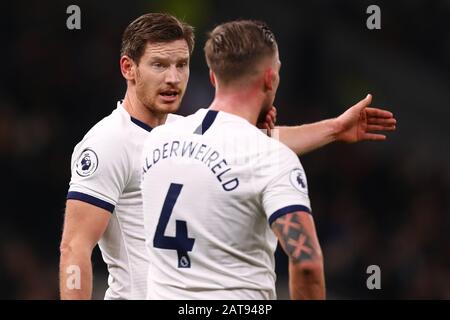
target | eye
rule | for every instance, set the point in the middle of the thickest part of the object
(157, 65)
(182, 65)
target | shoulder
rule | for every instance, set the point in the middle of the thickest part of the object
(274, 151)
(110, 130)
(274, 159)
(177, 123)
(171, 117)
(109, 135)
(106, 141)
(282, 149)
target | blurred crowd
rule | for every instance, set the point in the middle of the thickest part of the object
(384, 204)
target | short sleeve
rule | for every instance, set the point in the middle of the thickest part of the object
(286, 189)
(100, 171)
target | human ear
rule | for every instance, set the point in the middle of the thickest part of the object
(212, 78)
(127, 67)
(268, 79)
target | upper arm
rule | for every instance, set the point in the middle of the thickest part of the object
(100, 170)
(286, 187)
(297, 236)
(286, 203)
(99, 173)
(84, 224)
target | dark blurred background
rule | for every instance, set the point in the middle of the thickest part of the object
(385, 203)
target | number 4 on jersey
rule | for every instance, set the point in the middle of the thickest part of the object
(181, 242)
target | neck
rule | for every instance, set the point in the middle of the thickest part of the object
(245, 103)
(138, 110)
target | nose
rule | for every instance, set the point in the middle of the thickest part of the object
(172, 76)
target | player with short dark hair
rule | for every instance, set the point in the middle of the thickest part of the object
(104, 202)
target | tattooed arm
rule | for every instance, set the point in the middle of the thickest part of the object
(297, 235)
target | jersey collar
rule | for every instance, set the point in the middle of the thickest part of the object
(137, 122)
(141, 124)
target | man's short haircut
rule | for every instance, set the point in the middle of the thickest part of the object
(233, 49)
(154, 28)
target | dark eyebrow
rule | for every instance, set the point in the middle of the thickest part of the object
(159, 58)
(162, 58)
(186, 60)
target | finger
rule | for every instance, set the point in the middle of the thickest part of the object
(272, 125)
(266, 127)
(377, 112)
(390, 128)
(274, 109)
(374, 137)
(274, 118)
(374, 127)
(382, 121)
(270, 121)
(380, 128)
(364, 102)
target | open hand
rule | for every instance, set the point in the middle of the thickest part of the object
(361, 122)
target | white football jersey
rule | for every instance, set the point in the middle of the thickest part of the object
(212, 185)
(106, 173)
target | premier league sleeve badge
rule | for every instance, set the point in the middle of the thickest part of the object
(87, 163)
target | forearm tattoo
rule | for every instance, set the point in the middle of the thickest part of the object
(294, 238)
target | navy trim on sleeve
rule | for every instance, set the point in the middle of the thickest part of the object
(91, 200)
(141, 124)
(207, 122)
(286, 210)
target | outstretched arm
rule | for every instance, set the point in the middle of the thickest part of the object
(358, 123)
